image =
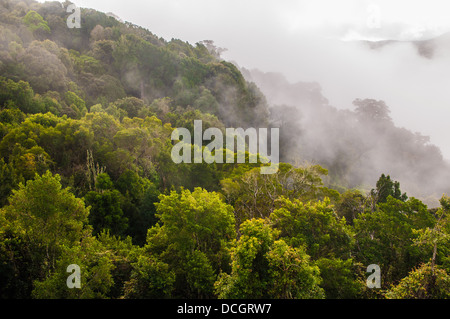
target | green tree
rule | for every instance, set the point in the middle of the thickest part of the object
(386, 236)
(95, 264)
(131, 105)
(200, 275)
(139, 195)
(9, 179)
(387, 187)
(341, 279)
(350, 205)
(192, 236)
(423, 282)
(264, 267)
(437, 236)
(150, 278)
(315, 225)
(41, 220)
(76, 104)
(254, 195)
(18, 94)
(36, 23)
(43, 58)
(106, 212)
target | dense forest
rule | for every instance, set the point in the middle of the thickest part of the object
(87, 178)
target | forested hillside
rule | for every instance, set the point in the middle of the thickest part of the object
(357, 144)
(87, 178)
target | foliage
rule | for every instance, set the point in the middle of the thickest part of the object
(341, 279)
(422, 283)
(255, 195)
(386, 187)
(41, 221)
(149, 279)
(314, 225)
(192, 236)
(87, 178)
(264, 267)
(386, 237)
(42, 207)
(36, 23)
(350, 205)
(95, 273)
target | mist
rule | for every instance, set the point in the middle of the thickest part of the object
(323, 77)
(314, 41)
(319, 60)
(412, 85)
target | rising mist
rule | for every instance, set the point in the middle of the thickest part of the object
(324, 125)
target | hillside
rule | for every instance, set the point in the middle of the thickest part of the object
(88, 182)
(107, 60)
(357, 144)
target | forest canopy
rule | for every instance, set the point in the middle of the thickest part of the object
(86, 178)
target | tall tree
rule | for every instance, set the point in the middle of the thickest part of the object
(193, 236)
(41, 220)
(387, 187)
(265, 267)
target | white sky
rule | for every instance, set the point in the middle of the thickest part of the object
(301, 39)
(195, 20)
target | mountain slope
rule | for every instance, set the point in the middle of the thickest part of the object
(126, 71)
(106, 60)
(357, 145)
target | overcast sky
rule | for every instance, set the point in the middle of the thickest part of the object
(310, 41)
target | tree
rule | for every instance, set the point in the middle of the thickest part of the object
(423, 282)
(264, 267)
(386, 236)
(315, 225)
(437, 235)
(139, 196)
(341, 279)
(387, 187)
(46, 218)
(150, 278)
(292, 274)
(95, 264)
(207, 103)
(10, 181)
(350, 205)
(41, 58)
(212, 48)
(254, 195)
(36, 23)
(194, 231)
(372, 110)
(144, 66)
(48, 214)
(18, 94)
(106, 212)
(131, 105)
(200, 275)
(75, 103)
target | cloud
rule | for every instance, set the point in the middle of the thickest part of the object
(302, 39)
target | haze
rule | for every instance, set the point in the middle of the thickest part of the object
(314, 41)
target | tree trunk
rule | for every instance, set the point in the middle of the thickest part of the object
(433, 259)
